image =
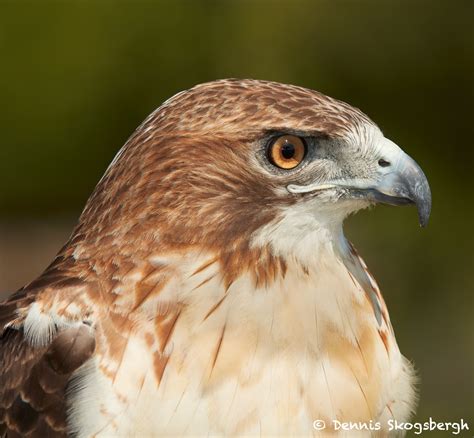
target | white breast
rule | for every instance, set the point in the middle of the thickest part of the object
(266, 361)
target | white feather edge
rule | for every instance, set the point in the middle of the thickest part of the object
(40, 327)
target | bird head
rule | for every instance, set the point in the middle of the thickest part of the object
(227, 162)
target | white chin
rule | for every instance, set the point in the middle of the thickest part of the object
(308, 227)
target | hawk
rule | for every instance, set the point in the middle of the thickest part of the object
(208, 288)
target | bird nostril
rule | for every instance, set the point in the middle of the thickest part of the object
(383, 163)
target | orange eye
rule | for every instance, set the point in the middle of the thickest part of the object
(287, 151)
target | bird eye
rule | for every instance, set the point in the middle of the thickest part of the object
(287, 151)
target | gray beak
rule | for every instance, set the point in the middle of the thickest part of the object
(403, 182)
(398, 180)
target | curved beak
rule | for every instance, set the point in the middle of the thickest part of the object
(398, 180)
(402, 183)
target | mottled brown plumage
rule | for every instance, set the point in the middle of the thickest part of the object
(181, 227)
(34, 381)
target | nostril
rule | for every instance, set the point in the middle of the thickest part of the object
(383, 163)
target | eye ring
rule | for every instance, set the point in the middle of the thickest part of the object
(286, 151)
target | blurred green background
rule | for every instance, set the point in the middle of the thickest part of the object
(77, 77)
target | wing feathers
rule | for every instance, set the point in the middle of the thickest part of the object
(34, 380)
(70, 349)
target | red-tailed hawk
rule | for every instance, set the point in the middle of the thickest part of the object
(208, 287)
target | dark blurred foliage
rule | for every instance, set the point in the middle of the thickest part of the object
(77, 77)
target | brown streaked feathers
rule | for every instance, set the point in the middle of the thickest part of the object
(34, 381)
(162, 194)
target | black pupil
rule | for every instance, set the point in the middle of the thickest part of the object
(288, 151)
